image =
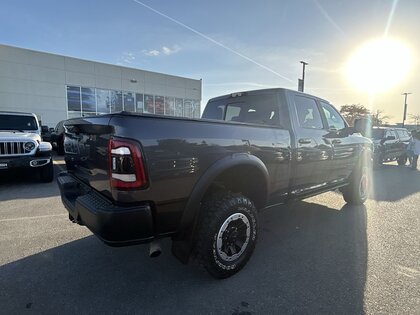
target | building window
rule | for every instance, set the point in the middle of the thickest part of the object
(188, 107)
(169, 106)
(159, 105)
(196, 109)
(103, 101)
(149, 104)
(179, 107)
(73, 98)
(88, 101)
(129, 102)
(139, 103)
(116, 101)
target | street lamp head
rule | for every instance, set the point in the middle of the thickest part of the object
(303, 62)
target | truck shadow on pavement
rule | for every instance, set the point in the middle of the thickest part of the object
(392, 183)
(309, 259)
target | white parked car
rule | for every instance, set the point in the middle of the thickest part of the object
(21, 145)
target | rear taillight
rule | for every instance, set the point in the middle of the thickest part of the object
(126, 167)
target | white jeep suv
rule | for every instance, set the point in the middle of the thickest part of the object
(21, 145)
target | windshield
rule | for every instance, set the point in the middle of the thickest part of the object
(17, 122)
(377, 134)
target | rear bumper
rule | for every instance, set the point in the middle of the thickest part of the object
(114, 225)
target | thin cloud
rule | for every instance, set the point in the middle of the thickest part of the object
(165, 50)
(170, 51)
(214, 41)
(328, 17)
(126, 58)
(151, 53)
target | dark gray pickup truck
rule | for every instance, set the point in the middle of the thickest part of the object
(135, 178)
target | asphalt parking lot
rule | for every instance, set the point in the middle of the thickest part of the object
(317, 256)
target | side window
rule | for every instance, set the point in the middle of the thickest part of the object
(233, 111)
(260, 109)
(214, 110)
(308, 113)
(253, 109)
(334, 120)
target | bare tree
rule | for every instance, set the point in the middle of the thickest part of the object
(415, 118)
(378, 118)
(353, 111)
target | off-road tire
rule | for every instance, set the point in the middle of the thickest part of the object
(215, 212)
(356, 192)
(46, 173)
(402, 160)
(60, 148)
(377, 161)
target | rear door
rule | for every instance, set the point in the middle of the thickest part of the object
(313, 151)
(269, 140)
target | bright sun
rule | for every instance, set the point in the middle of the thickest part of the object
(378, 65)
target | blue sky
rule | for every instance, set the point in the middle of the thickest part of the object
(276, 34)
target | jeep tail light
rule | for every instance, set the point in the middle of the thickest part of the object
(126, 167)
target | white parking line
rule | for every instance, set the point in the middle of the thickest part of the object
(34, 217)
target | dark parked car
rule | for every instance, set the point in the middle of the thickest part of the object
(46, 133)
(57, 138)
(135, 178)
(390, 144)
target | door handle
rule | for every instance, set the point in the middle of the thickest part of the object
(305, 140)
(336, 141)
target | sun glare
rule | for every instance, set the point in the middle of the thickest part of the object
(378, 65)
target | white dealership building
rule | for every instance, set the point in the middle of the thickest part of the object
(57, 87)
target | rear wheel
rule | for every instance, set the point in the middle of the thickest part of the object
(227, 233)
(357, 191)
(46, 173)
(377, 161)
(402, 160)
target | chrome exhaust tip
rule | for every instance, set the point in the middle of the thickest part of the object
(154, 249)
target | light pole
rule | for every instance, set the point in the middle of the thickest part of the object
(405, 107)
(301, 82)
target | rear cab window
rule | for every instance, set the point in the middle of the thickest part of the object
(260, 109)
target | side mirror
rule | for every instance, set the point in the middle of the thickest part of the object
(362, 125)
(44, 129)
(51, 129)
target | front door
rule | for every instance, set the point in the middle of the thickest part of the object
(313, 151)
(391, 145)
(345, 149)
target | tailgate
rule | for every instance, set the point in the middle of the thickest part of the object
(86, 151)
